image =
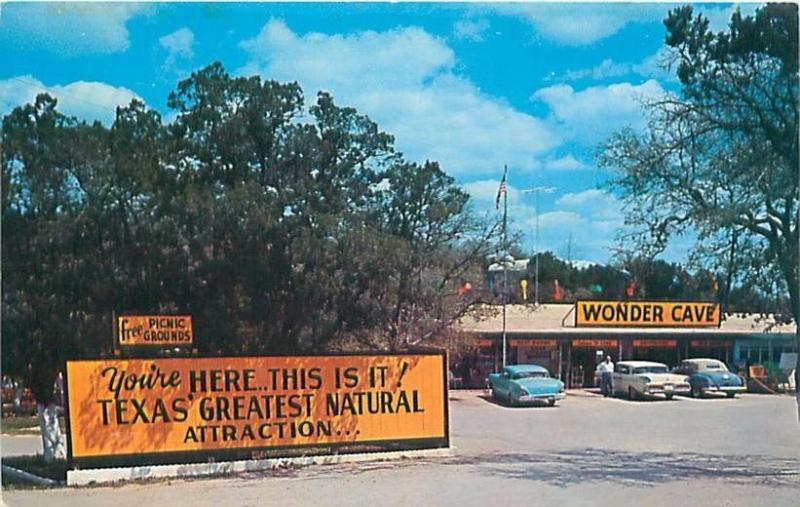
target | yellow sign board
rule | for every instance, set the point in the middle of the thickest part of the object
(154, 330)
(646, 314)
(189, 409)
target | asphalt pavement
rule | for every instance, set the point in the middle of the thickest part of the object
(587, 451)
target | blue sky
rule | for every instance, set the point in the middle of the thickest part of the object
(473, 86)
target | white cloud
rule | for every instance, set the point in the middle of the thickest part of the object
(593, 113)
(404, 79)
(606, 69)
(178, 45)
(88, 100)
(470, 30)
(70, 28)
(485, 191)
(559, 221)
(565, 163)
(582, 24)
(720, 16)
(595, 204)
(659, 66)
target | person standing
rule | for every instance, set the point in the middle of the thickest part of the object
(606, 368)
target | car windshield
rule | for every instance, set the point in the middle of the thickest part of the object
(529, 374)
(711, 367)
(650, 369)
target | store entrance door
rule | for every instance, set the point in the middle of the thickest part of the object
(585, 358)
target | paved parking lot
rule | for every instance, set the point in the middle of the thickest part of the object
(587, 451)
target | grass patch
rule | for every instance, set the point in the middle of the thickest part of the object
(19, 425)
(36, 465)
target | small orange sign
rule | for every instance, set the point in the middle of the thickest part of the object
(594, 343)
(535, 344)
(710, 344)
(154, 330)
(151, 407)
(655, 343)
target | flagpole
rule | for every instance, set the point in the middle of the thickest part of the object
(504, 260)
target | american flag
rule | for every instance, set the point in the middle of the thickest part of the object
(500, 191)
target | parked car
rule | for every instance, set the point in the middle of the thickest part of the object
(645, 379)
(524, 384)
(710, 376)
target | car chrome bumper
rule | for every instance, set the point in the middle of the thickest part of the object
(542, 397)
(724, 389)
(661, 390)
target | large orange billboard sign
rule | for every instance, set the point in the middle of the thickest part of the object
(646, 314)
(154, 330)
(192, 409)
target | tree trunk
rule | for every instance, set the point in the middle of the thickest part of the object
(53, 441)
(797, 368)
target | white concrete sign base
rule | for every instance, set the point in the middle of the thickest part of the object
(106, 475)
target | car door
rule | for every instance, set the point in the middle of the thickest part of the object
(503, 383)
(619, 379)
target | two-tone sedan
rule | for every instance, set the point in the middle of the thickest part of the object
(525, 384)
(708, 376)
(646, 379)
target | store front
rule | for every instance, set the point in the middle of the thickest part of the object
(714, 349)
(548, 336)
(658, 350)
(583, 358)
(545, 353)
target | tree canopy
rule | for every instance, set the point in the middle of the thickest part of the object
(280, 227)
(721, 158)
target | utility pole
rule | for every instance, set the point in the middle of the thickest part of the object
(536, 191)
(504, 260)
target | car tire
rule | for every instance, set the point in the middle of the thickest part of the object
(552, 403)
(632, 393)
(696, 392)
(669, 396)
(510, 400)
(731, 395)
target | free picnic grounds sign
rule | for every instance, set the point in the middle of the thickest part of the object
(646, 314)
(154, 330)
(155, 411)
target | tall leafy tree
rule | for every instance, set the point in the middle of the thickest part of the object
(722, 157)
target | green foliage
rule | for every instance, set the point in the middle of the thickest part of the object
(721, 159)
(653, 279)
(279, 227)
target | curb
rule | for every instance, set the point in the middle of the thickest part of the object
(27, 476)
(105, 475)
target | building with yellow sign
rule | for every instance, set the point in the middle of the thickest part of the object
(568, 338)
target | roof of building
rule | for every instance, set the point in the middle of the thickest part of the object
(560, 318)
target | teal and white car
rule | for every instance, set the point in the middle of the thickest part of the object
(526, 384)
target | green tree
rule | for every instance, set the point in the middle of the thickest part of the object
(722, 156)
(279, 227)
